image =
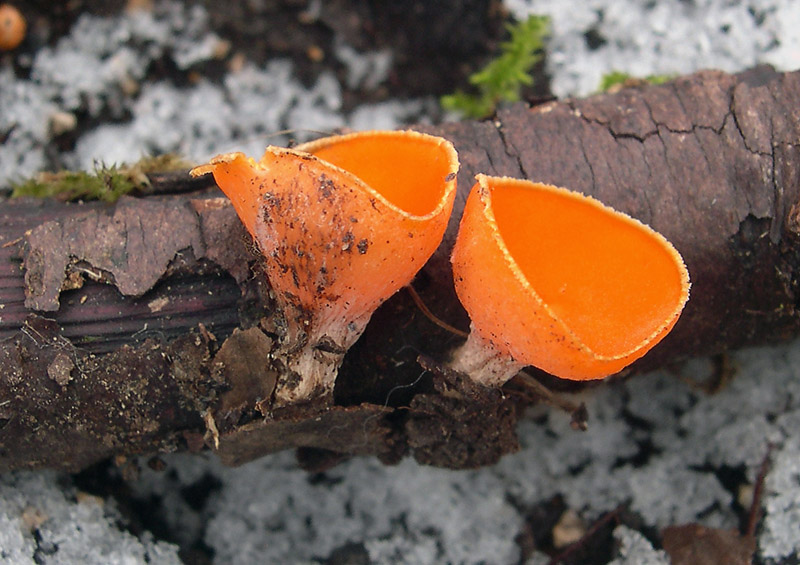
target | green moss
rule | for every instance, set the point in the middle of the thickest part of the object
(502, 79)
(105, 183)
(619, 78)
(612, 79)
(102, 184)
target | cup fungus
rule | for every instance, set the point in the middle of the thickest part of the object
(343, 223)
(12, 27)
(555, 279)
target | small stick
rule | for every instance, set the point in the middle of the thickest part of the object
(11, 243)
(431, 316)
(755, 507)
(577, 411)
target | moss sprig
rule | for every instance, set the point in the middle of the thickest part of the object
(617, 80)
(106, 182)
(503, 78)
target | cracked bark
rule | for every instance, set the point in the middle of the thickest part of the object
(145, 326)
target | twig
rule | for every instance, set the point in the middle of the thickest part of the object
(577, 411)
(754, 515)
(431, 316)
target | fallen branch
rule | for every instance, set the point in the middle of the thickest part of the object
(144, 326)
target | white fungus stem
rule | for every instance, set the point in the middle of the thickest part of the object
(479, 359)
(311, 369)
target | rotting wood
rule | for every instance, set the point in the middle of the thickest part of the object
(126, 351)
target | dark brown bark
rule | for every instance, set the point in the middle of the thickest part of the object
(118, 321)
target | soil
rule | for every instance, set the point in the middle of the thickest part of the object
(435, 45)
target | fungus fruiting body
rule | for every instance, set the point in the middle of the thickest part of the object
(12, 27)
(342, 223)
(555, 279)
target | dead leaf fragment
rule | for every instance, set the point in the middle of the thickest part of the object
(569, 529)
(33, 517)
(60, 369)
(243, 362)
(157, 304)
(694, 544)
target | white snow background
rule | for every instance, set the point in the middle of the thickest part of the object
(270, 511)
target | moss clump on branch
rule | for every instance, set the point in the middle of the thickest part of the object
(617, 80)
(503, 78)
(106, 183)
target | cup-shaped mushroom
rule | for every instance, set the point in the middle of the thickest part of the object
(12, 27)
(557, 280)
(342, 223)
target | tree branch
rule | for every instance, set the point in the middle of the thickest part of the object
(145, 326)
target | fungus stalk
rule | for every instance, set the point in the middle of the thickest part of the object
(342, 223)
(479, 358)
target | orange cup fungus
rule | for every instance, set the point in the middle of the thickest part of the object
(343, 223)
(555, 279)
(12, 27)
